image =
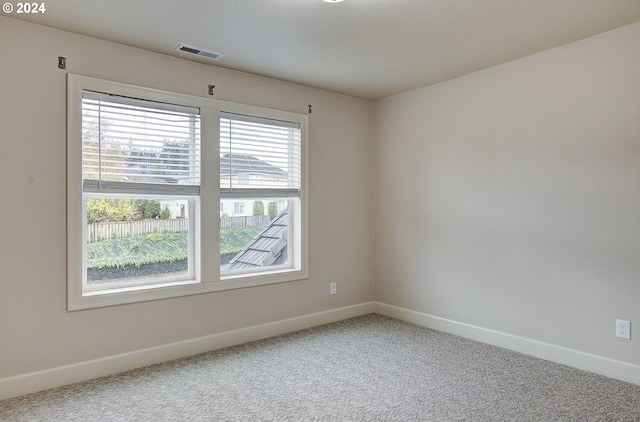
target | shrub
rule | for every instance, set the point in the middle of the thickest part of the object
(112, 209)
(273, 210)
(146, 208)
(119, 209)
(154, 248)
(150, 248)
(258, 208)
(232, 241)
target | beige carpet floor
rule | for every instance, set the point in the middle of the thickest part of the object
(369, 368)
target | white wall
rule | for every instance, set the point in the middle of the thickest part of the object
(525, 181)
(36, 331)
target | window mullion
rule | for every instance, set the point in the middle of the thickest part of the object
(208, 232)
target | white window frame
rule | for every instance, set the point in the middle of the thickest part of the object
(206, 275)
(264, 143)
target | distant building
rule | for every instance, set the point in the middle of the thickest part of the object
(247, 171)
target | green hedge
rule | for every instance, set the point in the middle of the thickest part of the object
(153, 248)
(150, 248)
(233, 241)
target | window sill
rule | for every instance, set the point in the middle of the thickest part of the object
(127, 295)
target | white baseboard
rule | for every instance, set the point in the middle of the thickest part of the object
(83, 371)
(41, 380)
(593, 363)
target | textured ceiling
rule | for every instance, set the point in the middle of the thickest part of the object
(366, 48)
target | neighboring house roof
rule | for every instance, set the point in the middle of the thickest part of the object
(267, 248)
(235, 164)
(142, 178)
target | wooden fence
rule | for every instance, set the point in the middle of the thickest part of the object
(115, 230)
(242, 222)
(118, 229)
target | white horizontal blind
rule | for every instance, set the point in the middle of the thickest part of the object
(131, 145)
(259, 157)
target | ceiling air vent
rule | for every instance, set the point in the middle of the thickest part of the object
(198, 51)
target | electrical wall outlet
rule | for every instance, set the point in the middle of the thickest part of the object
(623, 329)
(332, 288)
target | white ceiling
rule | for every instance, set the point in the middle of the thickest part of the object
(366, 48)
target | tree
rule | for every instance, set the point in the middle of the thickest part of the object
(258, 208)
(140, 160)
(173, 161)
(118, 209)
(273, 210)
(146, 208)
(109, 210)
(96, 142)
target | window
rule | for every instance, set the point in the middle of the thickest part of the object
(260, 159)
(142, 184)
(238, 208)
(136, 153)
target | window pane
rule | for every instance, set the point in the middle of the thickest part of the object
(259, 153)
(134, 241)
(256, 241)
(139, 141)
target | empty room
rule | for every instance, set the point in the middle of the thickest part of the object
(428, 210)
